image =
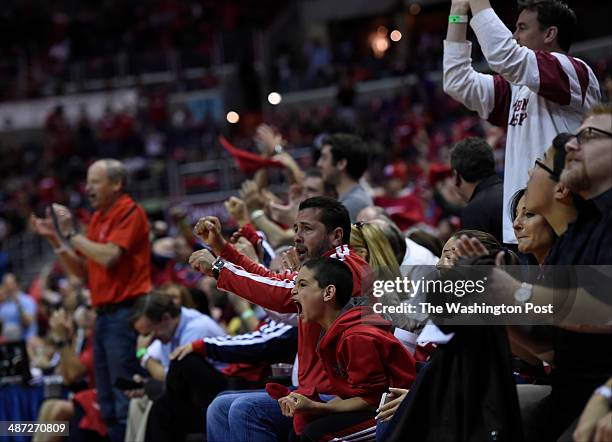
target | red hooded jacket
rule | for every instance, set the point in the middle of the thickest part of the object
(271, 290)
(362, 358)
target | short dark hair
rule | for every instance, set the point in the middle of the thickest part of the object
(491, 244)
(154, 306)
(553, 13)
(472, 158)
(353, 149)
(332, 214)
(559, 143)
(514, 200)
(313, 172)
(427, 240)
(329, 271)
(328, 188)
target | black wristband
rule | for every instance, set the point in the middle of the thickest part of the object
(70, 235)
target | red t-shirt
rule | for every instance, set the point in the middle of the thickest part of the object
(124, 224)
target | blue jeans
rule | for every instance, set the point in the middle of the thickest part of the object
(247, 416)
(114, 356)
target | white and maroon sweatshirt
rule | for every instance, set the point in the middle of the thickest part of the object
(535, 94)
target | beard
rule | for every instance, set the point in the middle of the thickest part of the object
(576, 178)
(319, 250)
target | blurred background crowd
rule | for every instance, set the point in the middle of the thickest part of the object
(156, 83)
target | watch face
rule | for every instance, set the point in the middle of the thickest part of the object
(522, 294)
(218, 265)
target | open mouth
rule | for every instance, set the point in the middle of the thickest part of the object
(301, 253)
(300, 310)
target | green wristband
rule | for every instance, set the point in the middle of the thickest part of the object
(247, 314)
(141, 352)
(457, 19)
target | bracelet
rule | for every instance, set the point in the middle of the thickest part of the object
(457, 19)
(257, 213)
(247, 314)
(141, 352)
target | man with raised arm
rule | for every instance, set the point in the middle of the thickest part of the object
(322, 228)
(537, 90)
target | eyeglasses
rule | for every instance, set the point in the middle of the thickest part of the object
(360, 224)
(539, 163)
(590, 133)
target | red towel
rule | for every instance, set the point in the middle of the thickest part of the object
(92, 420)
(248, 162)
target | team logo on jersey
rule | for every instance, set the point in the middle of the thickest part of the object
(341, 252)
(519, 112)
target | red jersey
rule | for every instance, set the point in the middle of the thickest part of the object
(124, 224)
(271, 290)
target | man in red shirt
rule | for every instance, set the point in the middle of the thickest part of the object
(114, 256)
(322, 228)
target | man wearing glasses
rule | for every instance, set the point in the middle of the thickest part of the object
(582, 328)
(537, 90)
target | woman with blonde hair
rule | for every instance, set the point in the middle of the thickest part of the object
(371, 243)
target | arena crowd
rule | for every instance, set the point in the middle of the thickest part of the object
(265, 328)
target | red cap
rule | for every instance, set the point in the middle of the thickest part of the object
(396, 170)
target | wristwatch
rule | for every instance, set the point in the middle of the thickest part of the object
(278, 149)
(217, 267)
(523, 293)
(70, 235)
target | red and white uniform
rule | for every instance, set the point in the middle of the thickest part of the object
(536, 94)
(272, 290)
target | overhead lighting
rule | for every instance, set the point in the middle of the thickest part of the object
(274, 98)
(232, 117)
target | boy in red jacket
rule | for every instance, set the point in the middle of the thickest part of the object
(360, 355)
